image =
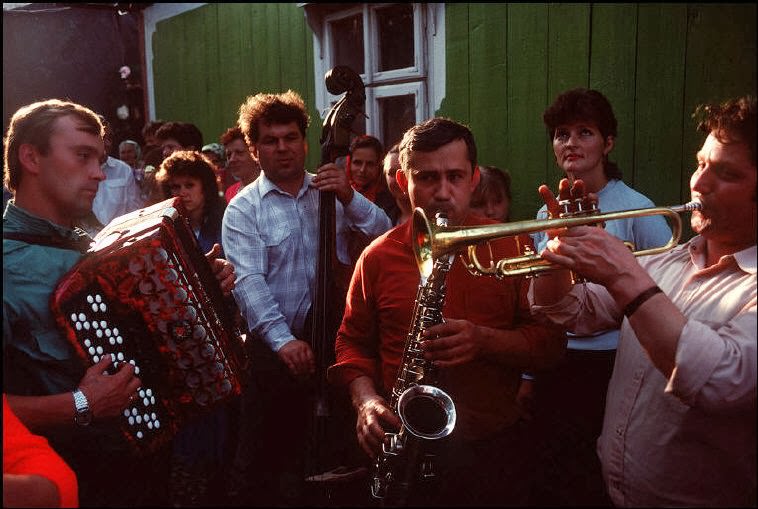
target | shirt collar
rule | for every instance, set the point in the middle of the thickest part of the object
(266, 186)
(745, 259)
(16, 219)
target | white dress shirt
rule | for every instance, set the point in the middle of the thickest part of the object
(272, 239)
(118, 194)
(690, 439)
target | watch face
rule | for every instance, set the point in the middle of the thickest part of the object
(83, 418)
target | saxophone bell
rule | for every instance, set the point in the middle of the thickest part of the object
(427, 412)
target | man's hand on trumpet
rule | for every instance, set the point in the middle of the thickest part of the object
(590, 251)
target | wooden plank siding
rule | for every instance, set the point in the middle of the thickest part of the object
(505, 63)
(208, 60)
(654, 62)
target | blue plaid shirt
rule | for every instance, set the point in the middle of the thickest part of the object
(271, 238)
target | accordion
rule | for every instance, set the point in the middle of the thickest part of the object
(145, 294)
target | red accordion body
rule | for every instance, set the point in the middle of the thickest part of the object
(145, 294)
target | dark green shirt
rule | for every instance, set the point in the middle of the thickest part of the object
(37, 359)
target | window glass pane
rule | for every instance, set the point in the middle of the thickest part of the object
(347, 42)
(398, 113)
(395, 37)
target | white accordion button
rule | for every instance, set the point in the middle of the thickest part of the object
(86, 325)
(99, 350)
(90, 300)
(87, 343)
(120, 356)
(113, 357)
(96, 359)
(119, 340)
(153, 416)
(102, 307)
(131, 420)
(91, 350)
(134, 411)
(146, 402)
(108, 332)
(157, 423)
(126, 413)
(82, 317)
(78, 325)
(115, 331)
(99, 333)
(138, 419)
(73, 317)
(112, 341)
(94, 307)
(150, 425)
(136, 370)
(98, 299)
(139, 434)
(103, 324)
(95, 324)
(149, 392)
(152, 400)
(141, 393)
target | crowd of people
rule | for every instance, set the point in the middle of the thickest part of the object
(614, 381)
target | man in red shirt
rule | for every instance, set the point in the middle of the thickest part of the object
(486, 340)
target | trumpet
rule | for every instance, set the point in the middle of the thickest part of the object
(429, 243)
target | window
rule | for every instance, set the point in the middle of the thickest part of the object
(398, 49)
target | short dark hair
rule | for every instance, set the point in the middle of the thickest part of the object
(432, 134)
(367, 141)
(231, 134)
(732, 121)
(34, 124)
(584, 105)
(187, 134)
(271, 109)
(189, 163)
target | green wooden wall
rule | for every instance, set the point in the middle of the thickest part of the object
(505, 64)
(655, 62)
(208, 60)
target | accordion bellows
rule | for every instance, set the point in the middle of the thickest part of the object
(145, 294)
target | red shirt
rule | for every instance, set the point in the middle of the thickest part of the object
(30, 454)
(378, 315)
(232, 191)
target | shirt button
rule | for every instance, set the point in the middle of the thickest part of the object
(620, 431)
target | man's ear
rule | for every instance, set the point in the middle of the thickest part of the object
(402, 180)
(475, 177)
(28, 156)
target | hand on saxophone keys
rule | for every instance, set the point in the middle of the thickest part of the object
(451, 343)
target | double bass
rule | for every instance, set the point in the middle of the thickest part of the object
(331, 425)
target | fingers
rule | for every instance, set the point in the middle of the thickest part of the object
(299, 359)
(213, 253)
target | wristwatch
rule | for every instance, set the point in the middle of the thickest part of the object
(83, 414)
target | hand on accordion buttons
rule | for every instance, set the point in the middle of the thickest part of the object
(108, 395)
(222, 269)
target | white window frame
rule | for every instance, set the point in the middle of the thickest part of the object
(425, 79)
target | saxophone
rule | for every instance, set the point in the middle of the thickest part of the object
(426, 411)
